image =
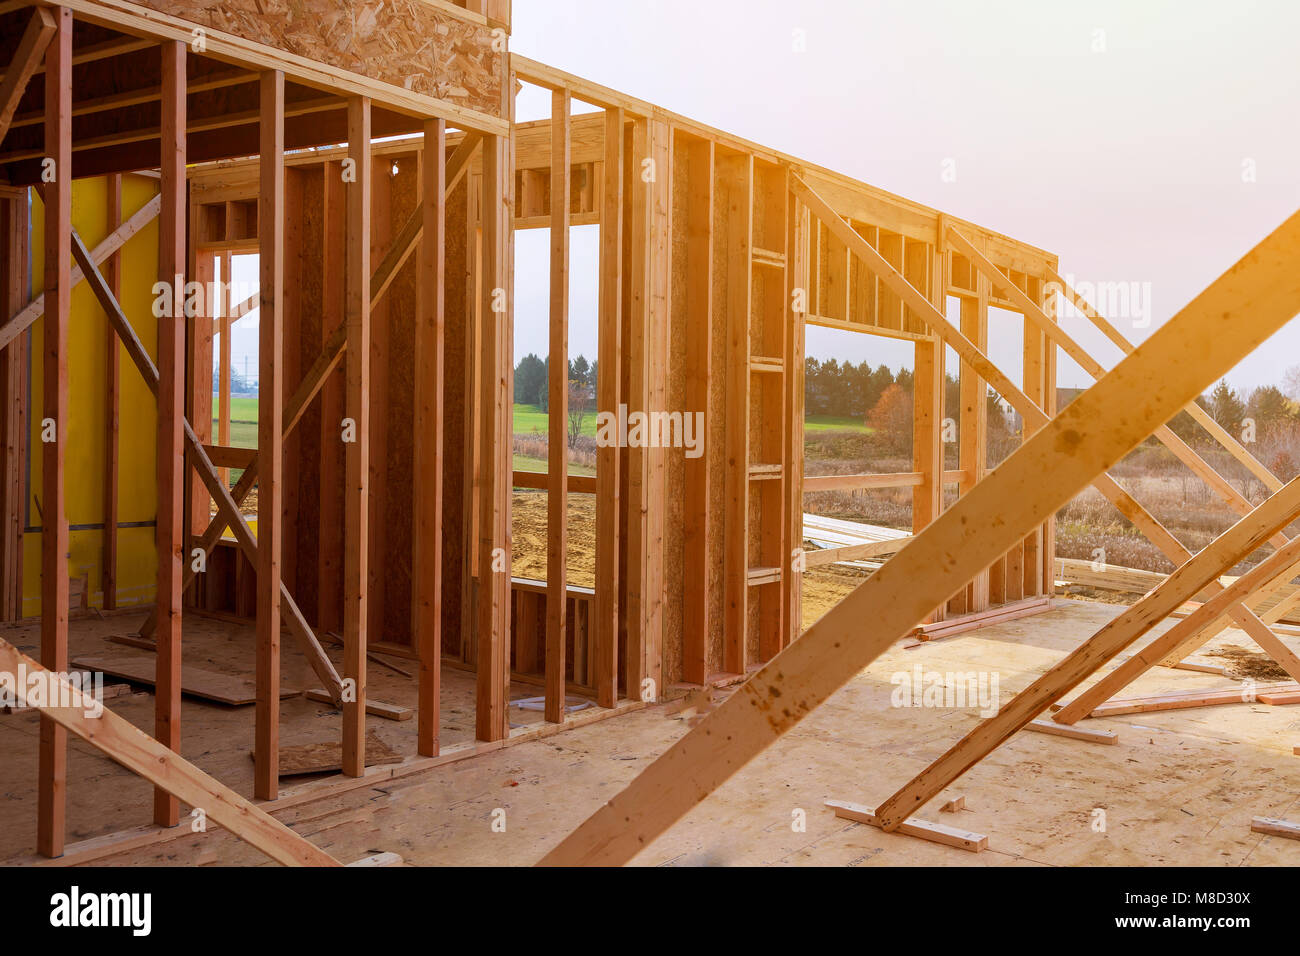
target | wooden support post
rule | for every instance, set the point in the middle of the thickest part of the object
(430, 336)
(1145, 389)
(697, 327)
(927, 438)
(736, 201)
(224, 360)
(356, 437)
(972, 430)
(15, 291)
(796, 300)
(270, 435)
(609, 373)
(53, 770)
(557, 459)
(112, 393)
(494, 454)
(171, 418)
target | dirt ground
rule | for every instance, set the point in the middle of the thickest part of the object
(823, 588)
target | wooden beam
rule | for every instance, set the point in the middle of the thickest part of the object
(1271, 826)
(1120, 632)
(430, 345)
(112, 395)
(1059, 337)
(1227, 321)
(736, 200)
(699, 517)
(123, 743)
(608, 381)
(15, 404)
(170, 529)
(557, 458)
(26, 60)
(1078, 733)
(270, 434)
(53, 766)
(1200, 415)
(493, 453)
(356, 500)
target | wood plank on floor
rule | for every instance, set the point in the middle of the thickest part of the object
(195, 681)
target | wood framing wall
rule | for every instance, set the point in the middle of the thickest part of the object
(383, 464)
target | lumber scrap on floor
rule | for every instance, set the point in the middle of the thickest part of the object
(922, 829)
(1245, 694)
(1078, 733)
(195, 681)
(1275, 827)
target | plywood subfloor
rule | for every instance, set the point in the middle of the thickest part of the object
(1179, 788)
(105, 798)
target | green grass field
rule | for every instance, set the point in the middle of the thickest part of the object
(834, 423)
(528, 419)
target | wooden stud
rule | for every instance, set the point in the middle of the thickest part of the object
(1236, 313)
(53, 767)
(698, 516)
(972, 430)
(557, 500)
(356, 499)
(15, 290)
(171, 416)
(112, 390)
(609, 365)
(430, 338)
(493, 657)
(270, 435)
(736, 204)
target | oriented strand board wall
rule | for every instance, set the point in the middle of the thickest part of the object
(138, 504)
(408, 43)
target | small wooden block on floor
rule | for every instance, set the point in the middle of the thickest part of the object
(953, 805)
(1279, 697)
(376, 708)
(327, 756)
(195, 681)
(1275, 827)
(378, 859)
(1077, 733)
(923, 829)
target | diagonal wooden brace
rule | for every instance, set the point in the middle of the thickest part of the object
(1033, 416)
(207, 472)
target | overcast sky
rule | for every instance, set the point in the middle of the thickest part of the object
(1146, 143)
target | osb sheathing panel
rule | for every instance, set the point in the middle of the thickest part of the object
(407, 43)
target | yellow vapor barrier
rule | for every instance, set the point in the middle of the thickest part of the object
(137, 563)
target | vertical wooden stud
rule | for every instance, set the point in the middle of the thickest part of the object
(557, 496)
(609, 372)
(270, 432)
(356, 173)
(430, 337)
(53, 767)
